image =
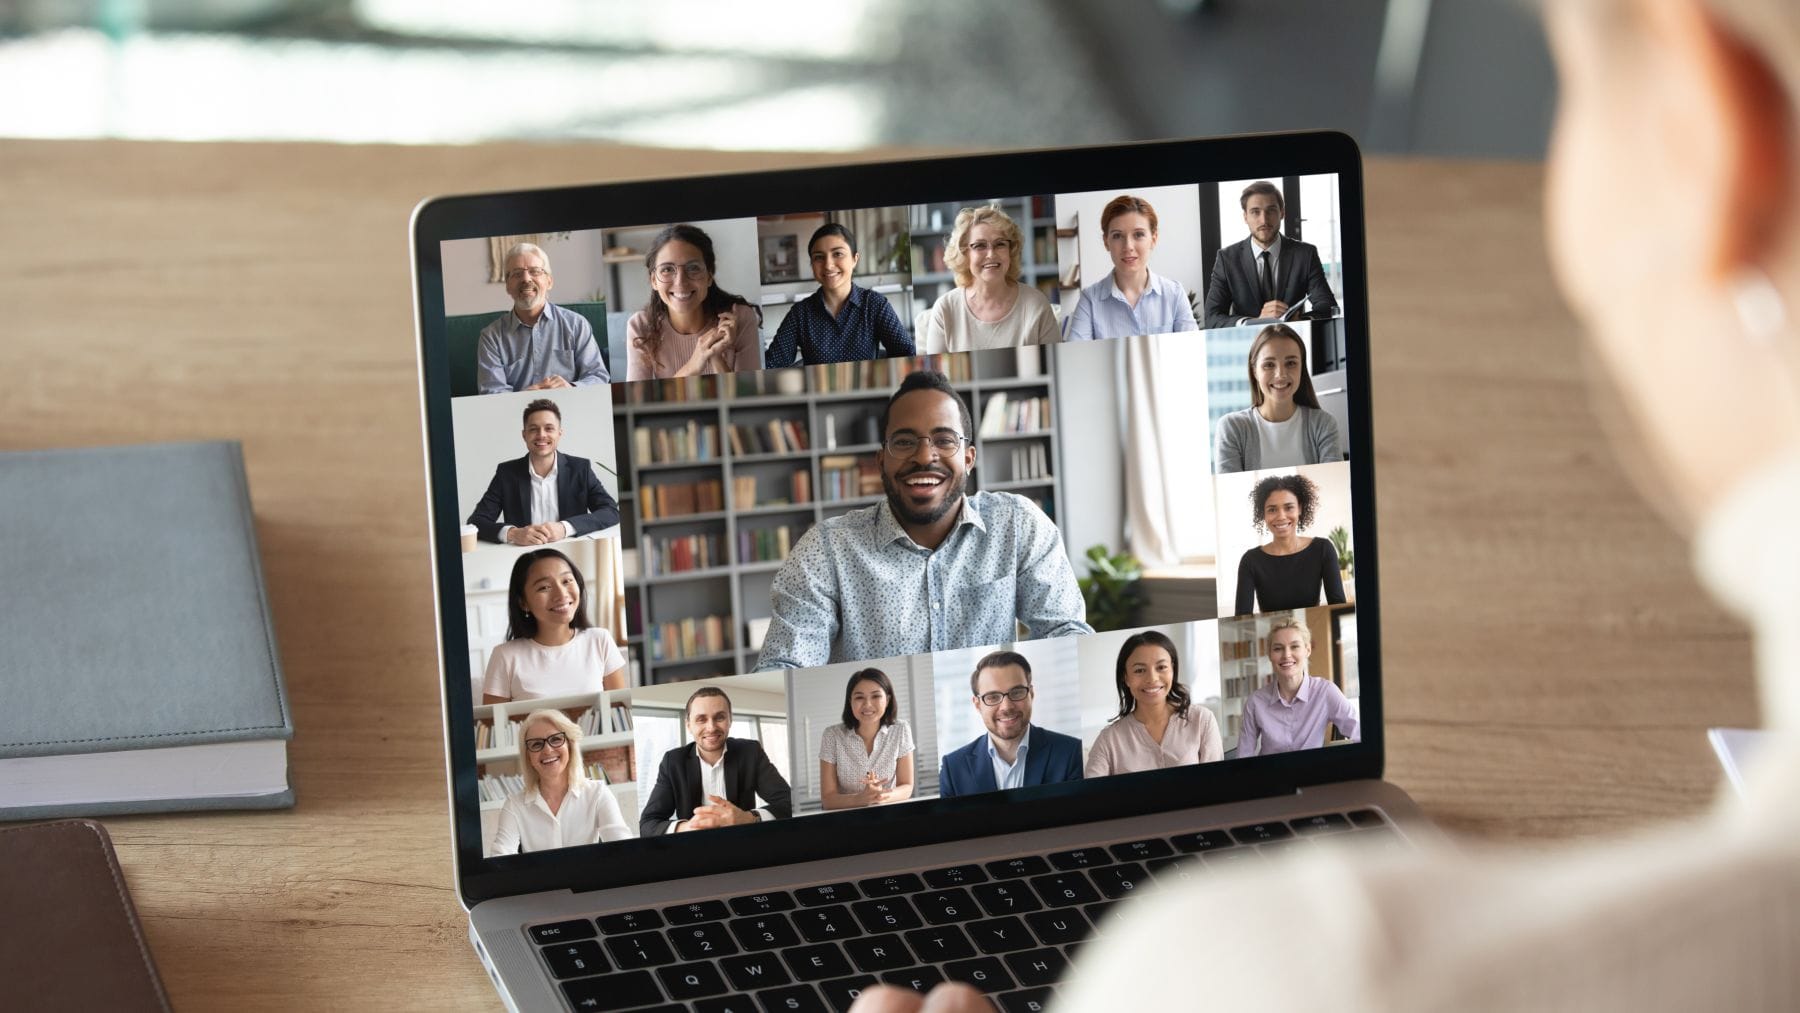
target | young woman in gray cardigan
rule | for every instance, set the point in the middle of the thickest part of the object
(1284, 426)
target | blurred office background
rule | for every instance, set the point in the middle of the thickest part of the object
(1436, 77)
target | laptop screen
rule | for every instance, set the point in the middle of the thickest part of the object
(766, 523)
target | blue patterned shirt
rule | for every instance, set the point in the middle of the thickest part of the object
(857, 587)
(1102, 311)
(866, 327)
(512, 356)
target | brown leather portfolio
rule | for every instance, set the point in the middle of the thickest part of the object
(72, 939)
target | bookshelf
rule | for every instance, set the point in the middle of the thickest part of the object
(498, 749)
(806, 449)
(931, 225)
(1243, 668)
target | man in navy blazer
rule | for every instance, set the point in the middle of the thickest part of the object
(1013, 753)
(1241, 289)
(545, 496)
(715, 780)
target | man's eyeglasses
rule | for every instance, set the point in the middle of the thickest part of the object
(905, 446)
(694, 269)
(982, 247)
(556, 741)
(520, 272)
(1015, 694)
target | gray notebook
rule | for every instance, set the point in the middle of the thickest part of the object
(138, 669)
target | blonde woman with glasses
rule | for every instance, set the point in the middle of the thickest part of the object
(560, 807)
(989, 307)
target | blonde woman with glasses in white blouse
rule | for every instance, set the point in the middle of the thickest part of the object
(989, 307)
(560, 806)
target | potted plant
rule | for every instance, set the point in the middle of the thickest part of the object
(1340, 540)
(1113, 589)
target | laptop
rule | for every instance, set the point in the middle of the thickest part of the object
(882, 573)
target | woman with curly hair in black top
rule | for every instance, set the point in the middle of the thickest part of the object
(1290, 570)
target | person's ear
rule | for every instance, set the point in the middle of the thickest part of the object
(1731, 114)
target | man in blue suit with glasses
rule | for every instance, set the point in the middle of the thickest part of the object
(1013, 753)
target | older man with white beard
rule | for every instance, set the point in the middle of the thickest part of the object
(536, 345)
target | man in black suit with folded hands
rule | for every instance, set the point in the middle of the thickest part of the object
(1266, 274)
(714, 780)
(544, 496)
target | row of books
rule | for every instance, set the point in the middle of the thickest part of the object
(665, 444)
(684, 553)
(690, 637)
(1238, 650)
(1234, 686)
(1020, 415)
(848, 477)
(683, 388)
(886, 374)
(673, 499)
(1030, 463)
(775, 436)
(744, 495)
(764, 545)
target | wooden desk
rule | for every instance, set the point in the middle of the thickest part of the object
(1551, 664)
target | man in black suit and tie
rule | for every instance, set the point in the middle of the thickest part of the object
(714, 780)
(544, 496)
(1263, 276)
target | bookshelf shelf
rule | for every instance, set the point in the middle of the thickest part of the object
(837, 403)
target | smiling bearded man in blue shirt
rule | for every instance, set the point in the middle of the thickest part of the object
(931, 569)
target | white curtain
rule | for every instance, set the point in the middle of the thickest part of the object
(1169, 513)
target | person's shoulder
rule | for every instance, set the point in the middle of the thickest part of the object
(856, 523)
(747, 746)
(1241, 417)
(1300, 245)
(952, 299)
(495, 327)
(638, 324)
(675, 755)
(962, 753)
(1032, 298)
(564, 315)
(1200, 714)
(1242, 244)
(510, 648)
(1050, 735)
(572, 461)
(1327, 687)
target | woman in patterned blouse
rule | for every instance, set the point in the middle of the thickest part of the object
(868, 759)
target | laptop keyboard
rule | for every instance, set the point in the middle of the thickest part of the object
(1007, 927)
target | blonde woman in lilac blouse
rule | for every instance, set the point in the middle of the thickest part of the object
(868, 758)
(1158, 725)
(1291, 711)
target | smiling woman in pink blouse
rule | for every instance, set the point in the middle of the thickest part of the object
(1157, 725)
(690, 325)
(1290, 712)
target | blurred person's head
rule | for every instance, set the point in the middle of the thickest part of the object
(1678, 123)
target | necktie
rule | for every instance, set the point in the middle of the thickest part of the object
(1268, 289)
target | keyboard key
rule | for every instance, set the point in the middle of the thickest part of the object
(1323, 823)
(691, 981)
(890, 915)
(891, 886)
(830, 893)
(1366, 818)
(1137, 851)
(630, 921)
(842, 992)
(575, 960)
(1026, 1000)
(1000, 935)
(644, 949)
(763, 932)
(1205, 840)
(1179, 869)
(698, 942)
(1256, 833)
(878, 953)
(1232, 856)
(1065, 888)
(763, 903)
(1058, 927)
(750, 971)
(986, 974)
(1123, 880)
(940, 907)
(1013, 868)
(919, 979)
(613, 991)
(793, 999)
(1103, 915)
(697, 912)
(941, 943)
(822, 923)
(1081, 858)
(812, 963)
(562, 932)
(727, 1004)
(955, 875)
(1037, 967)
(1007, 898)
